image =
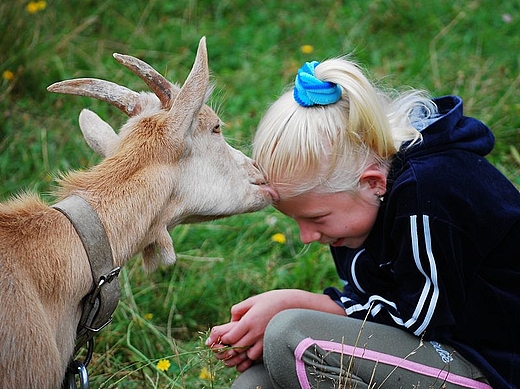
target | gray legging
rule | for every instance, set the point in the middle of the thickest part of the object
(310, 349)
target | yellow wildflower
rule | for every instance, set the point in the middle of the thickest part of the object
(207, 375)
(148, 316)
(279, 238)
(8, 75)
(36, 6)
(163, 364)
(307, 49)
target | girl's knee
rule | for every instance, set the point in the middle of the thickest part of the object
(286, 331)
(283, 324)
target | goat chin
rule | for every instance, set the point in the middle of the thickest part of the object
(169, 164)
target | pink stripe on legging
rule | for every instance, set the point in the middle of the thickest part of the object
(380, 358)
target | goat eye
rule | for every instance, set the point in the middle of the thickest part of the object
(216, 129)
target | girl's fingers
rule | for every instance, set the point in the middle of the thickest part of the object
(217, 332)
(229, 352)
(223, 352)
(255, 352)
(236, 359)
(243, 366)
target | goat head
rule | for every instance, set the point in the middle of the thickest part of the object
(192, 174)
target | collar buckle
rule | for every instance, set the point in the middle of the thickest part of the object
(104, 279)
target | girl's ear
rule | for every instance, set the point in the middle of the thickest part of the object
(374, 178)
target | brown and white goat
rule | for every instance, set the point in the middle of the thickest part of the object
(168, 165)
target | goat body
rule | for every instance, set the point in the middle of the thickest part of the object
(168, 165)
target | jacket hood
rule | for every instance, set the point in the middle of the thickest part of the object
(452, 130)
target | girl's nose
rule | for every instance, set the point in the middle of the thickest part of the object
(307, 233)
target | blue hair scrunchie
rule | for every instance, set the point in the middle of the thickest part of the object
(309, 91)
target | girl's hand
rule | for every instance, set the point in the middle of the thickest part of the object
(244, 333)
(240, 342)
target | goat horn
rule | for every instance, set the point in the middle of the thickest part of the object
(120, 97)
(155, 81)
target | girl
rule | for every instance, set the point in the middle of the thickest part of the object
(424, 233)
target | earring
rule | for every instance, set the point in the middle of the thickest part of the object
(380, 196)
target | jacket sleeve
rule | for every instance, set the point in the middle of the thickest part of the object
(407, 291)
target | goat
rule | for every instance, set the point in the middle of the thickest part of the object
(168, 165)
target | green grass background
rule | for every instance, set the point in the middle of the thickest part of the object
(469, 48)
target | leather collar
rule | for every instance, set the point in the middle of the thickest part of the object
(100, 303)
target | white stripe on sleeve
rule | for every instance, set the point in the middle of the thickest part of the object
(431, 282)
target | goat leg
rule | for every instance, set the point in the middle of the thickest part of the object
(160, 251)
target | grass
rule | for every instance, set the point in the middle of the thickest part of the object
(469, 48)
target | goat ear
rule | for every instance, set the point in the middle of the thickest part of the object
(100, 136)
(193, 93)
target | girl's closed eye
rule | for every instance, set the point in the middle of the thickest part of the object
(318, 219)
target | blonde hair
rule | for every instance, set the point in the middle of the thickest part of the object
(326, 148)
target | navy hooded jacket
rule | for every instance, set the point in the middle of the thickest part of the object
(443, 257)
